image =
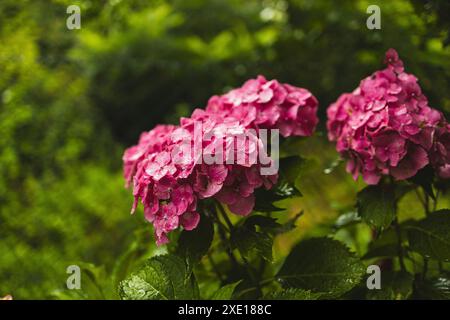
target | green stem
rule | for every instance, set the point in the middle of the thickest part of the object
(422, 201)
(398, 231)
(244, 259)
(436, 200)
(214, 267)
(427, 204)
(225, 216)
(425, 268)
(222, 234)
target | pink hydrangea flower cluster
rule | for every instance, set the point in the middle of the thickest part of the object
(386, 127)
(269, 104)
(169, 173)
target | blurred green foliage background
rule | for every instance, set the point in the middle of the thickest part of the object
(72, 100)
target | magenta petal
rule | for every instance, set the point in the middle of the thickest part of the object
(415, 160)
(227, 196)
(243, 206)
(161, 239)
(211, 190)
(371, 177)
(444, 171)
(190, 220)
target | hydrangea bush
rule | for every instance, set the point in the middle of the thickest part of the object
(210, 195)
(169, 188)
(386, 127)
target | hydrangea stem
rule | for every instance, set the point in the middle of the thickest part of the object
(425, 268)
(214, 267)
(398, 231)
(223, 237)
(244, 259)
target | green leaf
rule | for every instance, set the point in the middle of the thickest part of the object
(321, 265)
(264, 205)
(292, 294)
(161, 278)
(424, 178)
(138, 251)
(347, 219)
(270, 225)
(431, 236)
(290, 168)
(266, 198)
(194, 244)
(226, 292)
(248, 240)
(266, 223)
(95, 281)
(434, 289)
(377, 205)
(286, 190)
(386, 245)
(394, 286)
(288, 225)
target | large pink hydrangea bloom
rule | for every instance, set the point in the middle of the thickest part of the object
(169, 176)
(386, 127)
(270, 105)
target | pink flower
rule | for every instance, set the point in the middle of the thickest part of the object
(215, 153)
(385, 126)
(269, 104)
(440, 153)
(190, 220)
(239, 187)
(393, 61)
(169, 181)
(208, 180)
(149, 142)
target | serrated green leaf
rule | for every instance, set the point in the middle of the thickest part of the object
(265, 206)
(431, 236)
(292, 294)
(321, 265)
(264, 200)
(377, 205)
(248, 240)
(226, 292)
(394, 286)
(161, 278)
(194, 244)
(264, 222)
(282, 190)
(270, 225)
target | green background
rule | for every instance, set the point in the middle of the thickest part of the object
(72, 100)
